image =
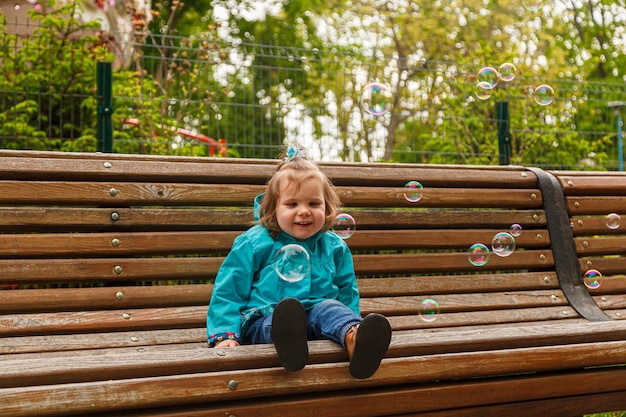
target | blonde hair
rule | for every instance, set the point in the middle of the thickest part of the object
(296, 171)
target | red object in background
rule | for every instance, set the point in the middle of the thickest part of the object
(10, 286)
(214, 144)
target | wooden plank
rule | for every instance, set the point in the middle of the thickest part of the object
(527, 396)
(483, 318)
(450, 262)
(136, 219)
(111, 270)
(114, 244)
(439, 238)
(443, 284)
(600, 246)
(202, 242)
(88, 341)
(602, 205)
(117, 395)
(172, 218)
(180, 359)
(195, 169)
(76, 322)
(596, 225)
(597, 184)
(110, 194)
(103, 298)
(120, 194)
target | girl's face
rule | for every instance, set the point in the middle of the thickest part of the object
(301, 212)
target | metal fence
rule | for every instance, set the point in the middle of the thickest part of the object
(207, 96)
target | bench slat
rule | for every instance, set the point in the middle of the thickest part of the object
(111, 194)
(441, 284)
(224, 170)
(580, 205)
(138, 219)
(88, 341)
(199, 242)
(474, 399)
(178, 359)
(116, 395)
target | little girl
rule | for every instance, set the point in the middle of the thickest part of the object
(252, 304)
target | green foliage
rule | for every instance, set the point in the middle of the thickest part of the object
(48, 76)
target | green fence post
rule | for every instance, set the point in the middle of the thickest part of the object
(504, 135)
(105, 107)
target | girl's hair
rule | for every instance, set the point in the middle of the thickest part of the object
(296, 170)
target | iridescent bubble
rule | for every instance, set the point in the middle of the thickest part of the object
(503, 244)
(516, 230)
(483, 90)
(532, 5)
(413, 191)
(344, 226)
(376, 99)
(429, 309)
(292, 263)
(543, 95)
(592, 279)
(488, 75)
(478, 254)
(507, 72)
(613, 221)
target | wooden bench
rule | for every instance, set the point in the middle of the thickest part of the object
(106, 262)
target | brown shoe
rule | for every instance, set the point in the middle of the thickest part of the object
(289, 334)
(367, 344)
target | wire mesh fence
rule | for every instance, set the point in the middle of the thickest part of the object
(204, 95)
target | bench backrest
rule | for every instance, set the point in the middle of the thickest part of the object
(111, 243)
(596, 204)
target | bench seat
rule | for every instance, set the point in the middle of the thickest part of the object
(106, 269)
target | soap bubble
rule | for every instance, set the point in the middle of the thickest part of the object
(613, 221)
(507, 72)
(543, 95)
(478, 254)
(592, 279)
(429, 309)
(413, 191)
(376, 99)
(503, 244)
(344, 226)
(483, 90)
(488, 75)
(532, 5)
(292, 263)
(516, 230)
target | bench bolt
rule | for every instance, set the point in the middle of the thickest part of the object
(118, 269)
(116, 242)
(115, 216)
(113, 192)
(233, 385)
(107, 164)
(119, 295)
(126, 316)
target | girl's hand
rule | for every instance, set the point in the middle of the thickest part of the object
(227, 343)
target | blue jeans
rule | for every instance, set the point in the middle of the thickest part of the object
(329, 319)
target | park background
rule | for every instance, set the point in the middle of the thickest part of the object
(244, 78)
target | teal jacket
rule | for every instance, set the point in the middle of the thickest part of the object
(247, 286)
